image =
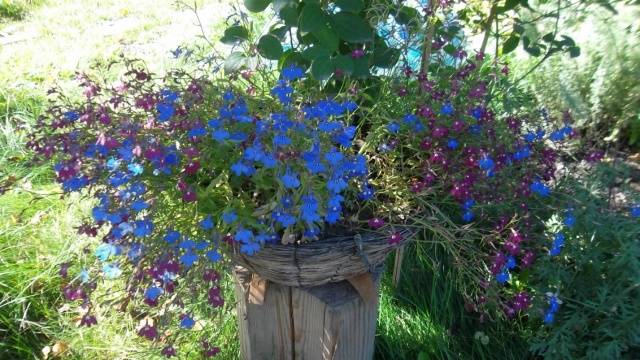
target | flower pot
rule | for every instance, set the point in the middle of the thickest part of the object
(311, 301)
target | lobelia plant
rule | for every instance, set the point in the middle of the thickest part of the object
(183, 170)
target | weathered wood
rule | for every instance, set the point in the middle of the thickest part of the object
(325, 322)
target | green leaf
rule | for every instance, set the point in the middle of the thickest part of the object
(235, 61)
(279, 31)
(313, 52)
(511, 4)
(344, 63)
(235, 34)
(574, 51)
(256, 5)
(568, 41)
(352, 28)
(269, 47)
(292, 57)
(385, 57)
(449, 49)
(518, 28)
(289, 14)
(312, 18)
(533, 50)
(327, 37)
(511, 44)
(361, 67)
(350, 5)
(549, 37)
(407, 15)
(322, 68)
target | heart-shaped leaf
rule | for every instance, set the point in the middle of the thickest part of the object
(352, 28)
(235, 34)
(312, 18)
(269, 47)
(256, 5)
(322, 68)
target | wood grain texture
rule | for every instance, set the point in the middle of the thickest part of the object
(324, 322)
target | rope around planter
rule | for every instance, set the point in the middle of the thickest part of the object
(319, 262)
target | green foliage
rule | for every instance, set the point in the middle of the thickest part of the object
(309, 30)
(599, 270)
(601, 86)
(17, 9)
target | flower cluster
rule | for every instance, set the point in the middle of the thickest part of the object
(454, 146)
(186, 170)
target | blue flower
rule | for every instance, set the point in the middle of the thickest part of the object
(529, 137)
(309, 208)
(367, 192)
(511, 263)
(172, 236)
(169, 96)
(503, 276)
(213, 256)
(111, 270)
(105, 251)
(214, 123)
(569, 219)
(136, 169)
(283, 218)
(446, 109)
(557, 136)
(336, 184)
(635, 211)
(539, 188)
(333, 157)
(467, 216)
(241, 168)
(187, 244)
(143, 228)
(281, 139)
(286, 201)
(548, 318)
(250, 248)
(165, 111)
(206, 223)
(153, 293)
(229, 217)
(84, 276)
(292, 72)
(345, 137)
(393, 127)
(283, 92)
(290, 180)
(244, 235)
(113, 164)
(220, 135)
(71, 115)
(452, 144)
(187, 322)
(75, 184)
(135, 251)
(197, 131)
(139, 205)
(269, 161)
(486, 163)
(188, 259)
(477, 112)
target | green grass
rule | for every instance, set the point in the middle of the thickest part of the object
(17, 9)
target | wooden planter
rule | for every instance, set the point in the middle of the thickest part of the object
(330, 321)
(312, 301)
